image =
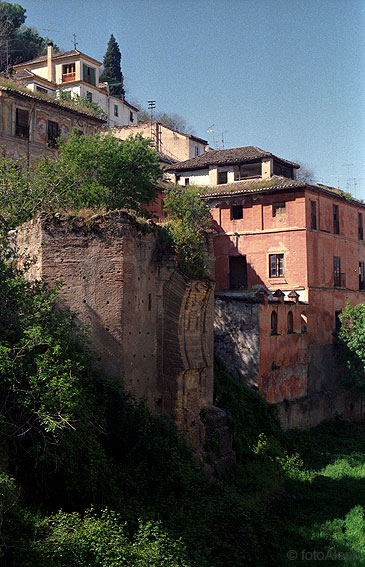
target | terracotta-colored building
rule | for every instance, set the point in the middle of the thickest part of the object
(279, 234)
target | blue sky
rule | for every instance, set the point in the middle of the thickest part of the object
(285, 75)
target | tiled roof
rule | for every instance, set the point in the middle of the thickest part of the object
(55, 56)
(25, 74)
(48, 100)
(276, 183)
(225, 157)
(252, 186)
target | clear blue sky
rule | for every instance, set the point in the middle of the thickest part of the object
(285, 75)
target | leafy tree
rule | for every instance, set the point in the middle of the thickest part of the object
(112, 71)
(352, 334)
(23, 42)
(189, 217)
(305, 173)
(92, 171)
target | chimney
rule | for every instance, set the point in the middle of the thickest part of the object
(50, 67)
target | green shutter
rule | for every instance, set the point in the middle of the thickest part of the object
(92, 76)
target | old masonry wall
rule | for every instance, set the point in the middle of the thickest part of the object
(151, 325)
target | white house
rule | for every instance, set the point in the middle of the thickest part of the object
(77, 73)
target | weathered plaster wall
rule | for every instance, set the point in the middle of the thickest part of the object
(151, 326)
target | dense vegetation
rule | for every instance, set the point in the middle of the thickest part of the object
(19, 41)
(99, 480)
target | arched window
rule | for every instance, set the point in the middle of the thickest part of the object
(274, 323)
(290, 323)
(304, 322)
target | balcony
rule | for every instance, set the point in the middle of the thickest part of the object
(339, 280)
(68, 77)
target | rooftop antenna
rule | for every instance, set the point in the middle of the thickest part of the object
(151, 106)
(211, 131)
(348, 165)
(75, 42)
(225, 132)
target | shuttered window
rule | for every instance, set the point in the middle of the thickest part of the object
(22, 123)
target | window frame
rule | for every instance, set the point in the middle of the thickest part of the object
(234, 209)
(336, 219)
(279, 209)
(51, 138)
(223, 174)
(360, 226)
(276, 265)
(116, 110)
(361, 276)
(313, 215)
(22, 127)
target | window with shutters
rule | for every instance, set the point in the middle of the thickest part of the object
(361, 276)
(53, 133)
(276, 265)
(88, 75)
(115, 110)
(22, 123)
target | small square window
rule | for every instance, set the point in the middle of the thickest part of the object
(236, 212)
(89, 96)
(115, 110)
(222, 177)
(278, 209)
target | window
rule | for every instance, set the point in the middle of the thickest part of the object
(22, 123)
(115, 110)
(88, 75)
(68, 72)
(338, 278)
(236, 212)
(361, 276)
(276, 265)
(237, 272)
(303, 323)
(313, 215)
(131, 119)
(336, 222)
(337, 320)
(52, 133)
(196, 150)
(89, 96)
(41, 90)
(290, 323)
(274, 323)
(247, 170)
(187, 181)
(361, 231)
(278, 209)
(222, 177)
(283, 170)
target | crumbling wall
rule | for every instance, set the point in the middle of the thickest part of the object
(236, 337)
(151, 326)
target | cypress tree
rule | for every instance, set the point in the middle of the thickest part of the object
(112, 70)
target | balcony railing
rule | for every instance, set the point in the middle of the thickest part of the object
(339, 280)
(68, 77)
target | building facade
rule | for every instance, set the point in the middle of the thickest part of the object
(78, 74)
(303, 244)
(171, 145)
(30, 125)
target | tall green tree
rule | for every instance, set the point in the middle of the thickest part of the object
(18, 42)
(112, 71)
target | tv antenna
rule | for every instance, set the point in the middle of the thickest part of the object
(49, 29)
(212, 132)
(151, 106)
(75, 42)
(225, 132)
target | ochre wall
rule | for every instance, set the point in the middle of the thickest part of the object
(152, 327)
